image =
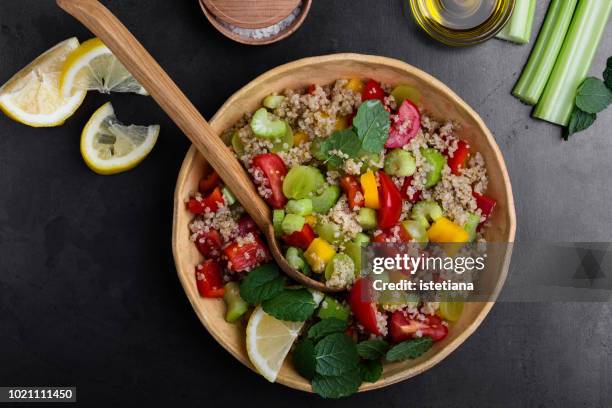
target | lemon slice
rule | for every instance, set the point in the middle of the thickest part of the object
(110, 147)
(269, 340)
(93, 67)
(32, 95)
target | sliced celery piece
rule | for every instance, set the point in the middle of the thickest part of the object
(400, 163)
(292, 223)
(471, 226)
(299, 207)
(273, 101)
(437, 162)
(574, 61)
(326, 200)
(295, 258)
(329, 231)
(277, 221)
(263, 125)
(425, 211)
(228, 196)
(367, 218)
(518, 28)
(541, 62)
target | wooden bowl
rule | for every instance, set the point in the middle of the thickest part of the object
(299, 19)
(439, 101)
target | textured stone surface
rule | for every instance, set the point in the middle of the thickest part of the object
(88, 292)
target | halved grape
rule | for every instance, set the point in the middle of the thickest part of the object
(402, 92)
(273, 101)
(263, 125)
(282, 144)
(329, 232)
(237, 143)
(302, 182)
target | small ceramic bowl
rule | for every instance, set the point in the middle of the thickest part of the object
(226, 31)
(440, 102)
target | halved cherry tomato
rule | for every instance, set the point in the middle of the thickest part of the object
(365, 310)
(402, 327)
(273, 169)
(390, 201)
(404, 191)
(460, 156)
(311, 89)
(372, 90)
(246, 257)
(246, 225)
(209, 182)
(353, 191)
(404, 126)
(209, 243)
(388, 234)
(485, 203)
(300, 239)
(209, 280)
(213, 202)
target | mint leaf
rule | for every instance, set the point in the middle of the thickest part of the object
(372, 349)
(337, 386)
(409, 349)
(326, 327)
(579, 121)
(336, 354)
(293, 305)
(304, 359)
(261, 284)
(593, 96)
(372, 123)
(344, 142)
(608, 74)
(370, 370)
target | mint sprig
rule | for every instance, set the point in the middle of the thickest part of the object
(579, 121)
(409, 349)
(340, 143)
(336, 354)
(593, 95)
(372, 349)
(293, 305)
(372, 123)
(371, 370)
(261, 284)
(607, 75)
(304, 359)
(326, 327)
(337, 386)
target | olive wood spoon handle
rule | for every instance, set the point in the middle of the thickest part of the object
(97, 18)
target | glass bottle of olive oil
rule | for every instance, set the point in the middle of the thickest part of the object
(461, 22)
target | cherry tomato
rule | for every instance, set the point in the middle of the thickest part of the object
(209, 280)
(211, 202)
(352, 189)
(390, 202)
(404, 126)
(300, 239)
(372, 90)
(311, 89)
(388, 234)
(364, 310)
(411, 198)
(460, 156)
(209, 244)
(209, 182)
(273, 169)
(246, 225)
(485, 203)
(246, 257)
(402, 327)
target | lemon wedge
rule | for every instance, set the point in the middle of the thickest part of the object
(269, 340)
(110, 147)
(93, 67)
(32, 96)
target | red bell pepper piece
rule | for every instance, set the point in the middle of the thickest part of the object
(274, 170)
(372, 90)
(404, 126)
(403, 327)
(388, 234)
(209, 182)
(411, 198)
(485, 203)
(364, 309)
(460, 156)
(209, 280)
(246, 257)
(390, 201)
(209, 244)
(300, 239)
(353, 191)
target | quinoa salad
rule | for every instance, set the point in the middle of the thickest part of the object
(342, 165)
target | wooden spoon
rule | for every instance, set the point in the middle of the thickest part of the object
(166, 93)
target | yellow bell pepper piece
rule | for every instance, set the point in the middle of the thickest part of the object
(310, 220)
(444, 230)
(370, 190)
(341, 123)
(319, 254)
(355, 85)
(299, 138)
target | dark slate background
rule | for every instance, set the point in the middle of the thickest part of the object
(88, 290)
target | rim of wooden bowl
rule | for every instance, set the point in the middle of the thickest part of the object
(179, 237)
(297, 23)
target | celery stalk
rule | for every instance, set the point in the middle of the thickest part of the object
(541, 62)
(574, 61)
(518, 28)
